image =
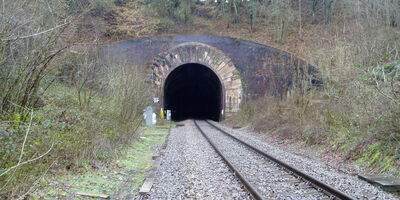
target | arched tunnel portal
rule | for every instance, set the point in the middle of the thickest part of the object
(246, 70)
(197, 81)
(193, 91)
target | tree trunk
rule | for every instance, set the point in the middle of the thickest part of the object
(282, 30)
(314, 10)
(301, 25)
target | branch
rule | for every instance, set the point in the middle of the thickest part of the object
(26, 137)
(36, 182)
(16, 105)
(36, 34)
(387, 96)
(28, 161)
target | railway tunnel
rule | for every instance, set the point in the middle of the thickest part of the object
(211, 77)
(193, 91)
(197, 81)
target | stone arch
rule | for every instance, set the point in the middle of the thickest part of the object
(193, 52)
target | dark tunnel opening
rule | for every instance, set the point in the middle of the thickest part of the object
(193, 91)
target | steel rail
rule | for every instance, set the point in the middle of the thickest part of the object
(329, 190)
(252, 190)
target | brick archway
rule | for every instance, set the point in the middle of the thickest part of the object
(193, 52)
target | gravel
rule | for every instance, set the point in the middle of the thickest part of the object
(346, 183)
(271, 180)
(191, 169)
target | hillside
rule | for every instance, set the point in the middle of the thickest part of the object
(64, 109)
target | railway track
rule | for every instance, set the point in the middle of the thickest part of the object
(264, 176)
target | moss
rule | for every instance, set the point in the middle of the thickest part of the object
(126, 172)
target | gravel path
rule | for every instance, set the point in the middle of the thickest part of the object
(271, 180)
(349, 184)
(191, 169)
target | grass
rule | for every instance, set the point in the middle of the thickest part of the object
(80, 137)
(122, 178)
(333, 127)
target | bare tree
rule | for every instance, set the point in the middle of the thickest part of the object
(32, 38)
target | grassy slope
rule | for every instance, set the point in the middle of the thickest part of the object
(83, 137)
(121, 178)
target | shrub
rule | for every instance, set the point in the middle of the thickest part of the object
(31, 40)
(357, 111)
(69, 135)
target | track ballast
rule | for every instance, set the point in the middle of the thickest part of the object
(263, 175)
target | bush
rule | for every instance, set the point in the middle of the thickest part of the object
(26, 58)
(130, 90)
(170, 12)
(73, 135)
(357, 111)
(82, 121)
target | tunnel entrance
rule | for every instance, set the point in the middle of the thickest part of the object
(193, 91)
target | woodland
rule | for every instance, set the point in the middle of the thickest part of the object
(63, 107)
